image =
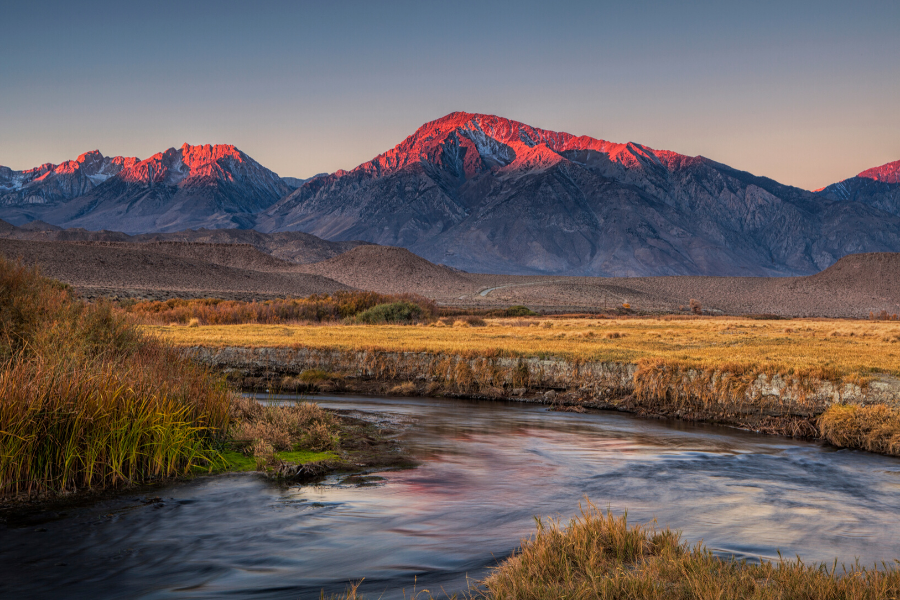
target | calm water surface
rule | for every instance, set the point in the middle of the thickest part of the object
(488, 468)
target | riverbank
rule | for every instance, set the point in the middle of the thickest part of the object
(89, 403)
(813, 379)
(486, 469)
(359, 446)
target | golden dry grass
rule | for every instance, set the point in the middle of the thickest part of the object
(599, 556)
(825, 347)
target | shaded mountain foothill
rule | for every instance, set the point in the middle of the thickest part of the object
(143, 271)
(855, 286)
(291, 246)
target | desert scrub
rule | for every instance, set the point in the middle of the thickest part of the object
(318, 308)
(261, 430)
(88, 401)
(598, 555)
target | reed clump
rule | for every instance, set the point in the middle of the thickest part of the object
(260, 430)
(875, 428)
(88, 401)
(598, 555)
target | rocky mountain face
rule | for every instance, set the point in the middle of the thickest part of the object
(192, 186)
(486, 194)
(483, 193)
(878, 187)
(51, 184)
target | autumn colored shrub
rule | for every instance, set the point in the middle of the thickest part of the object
(318, 308)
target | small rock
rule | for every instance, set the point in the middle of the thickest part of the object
(550, 395)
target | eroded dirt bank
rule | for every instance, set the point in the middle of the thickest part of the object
(763, 402)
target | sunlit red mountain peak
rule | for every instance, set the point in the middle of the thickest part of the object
(888, 173)
(52, 183)
(470, 143)
(190, 165)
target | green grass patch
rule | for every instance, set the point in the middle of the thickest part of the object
(305, 456)
(316, 375)
(236, 462)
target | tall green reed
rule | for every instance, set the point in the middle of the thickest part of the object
(87, 401)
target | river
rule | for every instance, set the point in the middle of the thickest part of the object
(487, 469)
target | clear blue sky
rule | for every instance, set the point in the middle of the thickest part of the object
(805, 92)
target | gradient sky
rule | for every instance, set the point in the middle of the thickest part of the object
(807, 93)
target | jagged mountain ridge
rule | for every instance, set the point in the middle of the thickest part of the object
(216, 186)
(49, 183)
(484, 193)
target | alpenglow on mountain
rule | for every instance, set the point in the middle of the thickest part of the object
(484, 193)
(189, 187)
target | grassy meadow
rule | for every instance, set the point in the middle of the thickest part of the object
(828, 348)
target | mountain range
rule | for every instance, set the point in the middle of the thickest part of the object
(487, 194)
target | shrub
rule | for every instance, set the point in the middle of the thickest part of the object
(519, 311)
(696, 308)
(471, 321)
(395, 312)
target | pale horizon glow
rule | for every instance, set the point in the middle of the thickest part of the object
(802, 92)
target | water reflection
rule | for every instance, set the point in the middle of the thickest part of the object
(488, 469)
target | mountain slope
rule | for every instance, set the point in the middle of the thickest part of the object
(483, 193)
(390, 271)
